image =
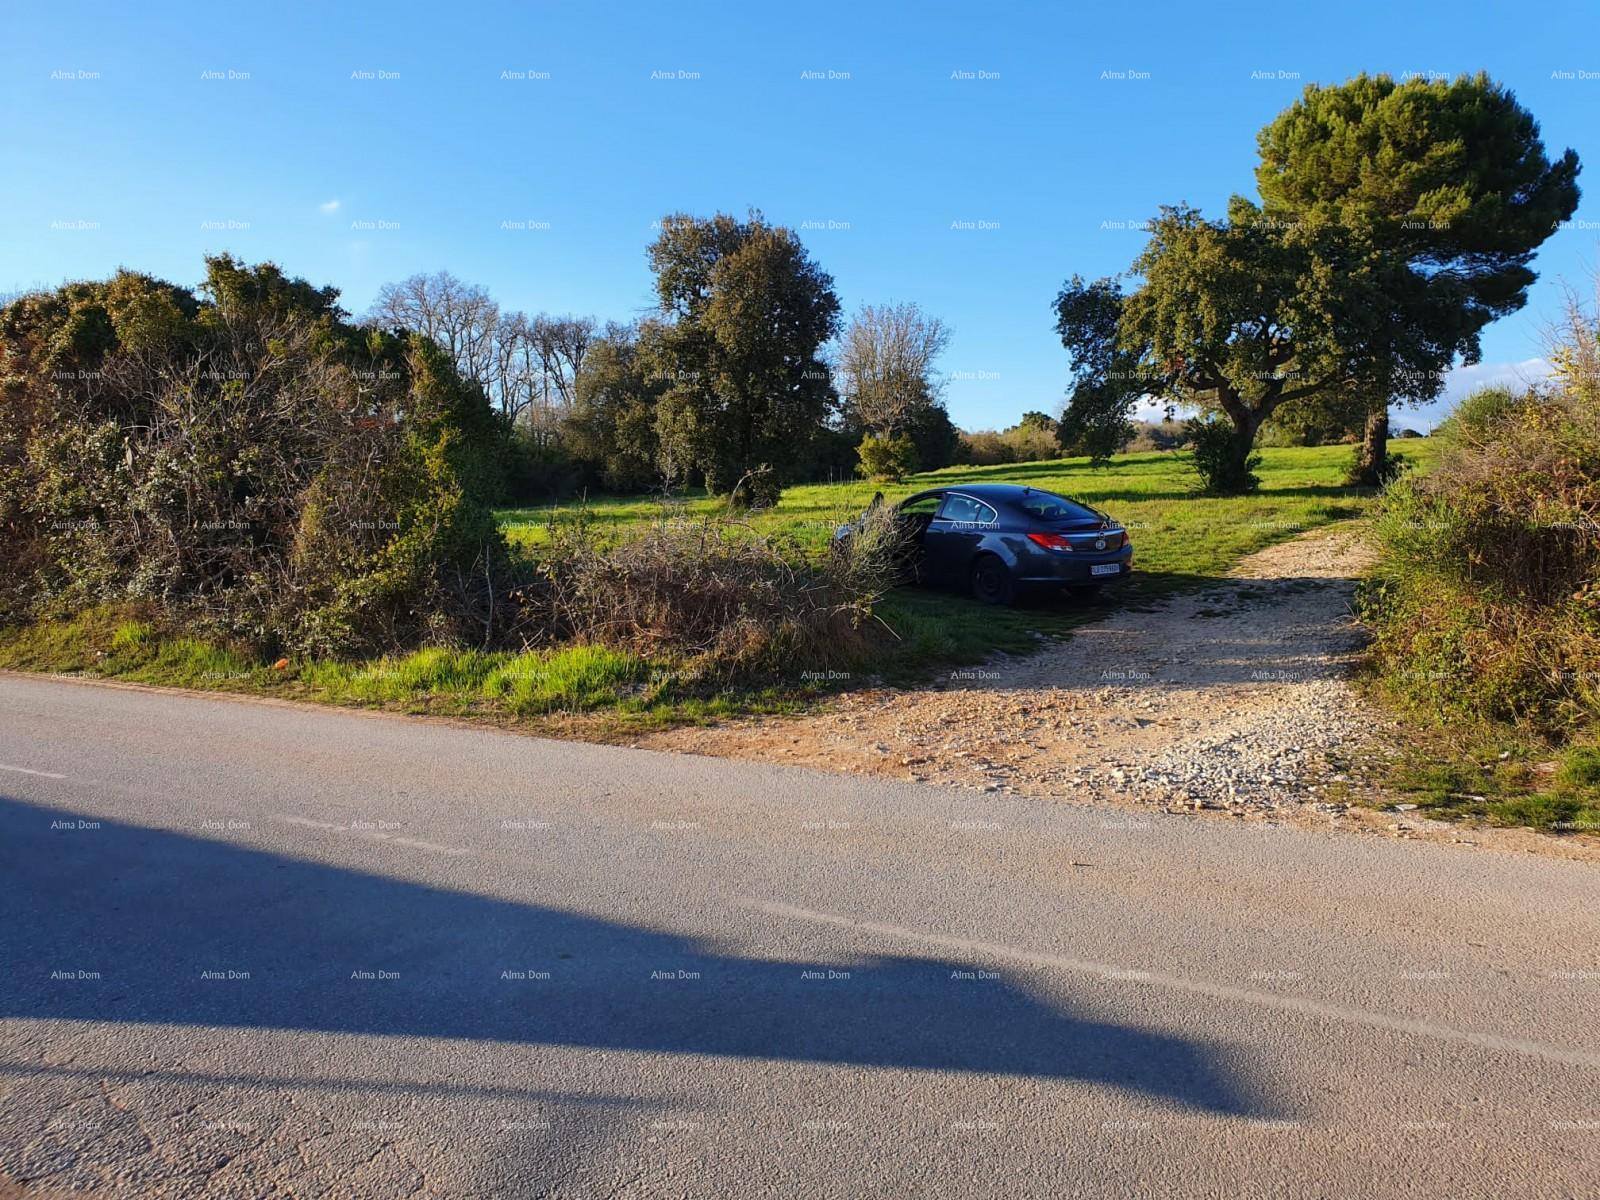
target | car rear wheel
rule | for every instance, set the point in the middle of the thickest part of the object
(991, 581)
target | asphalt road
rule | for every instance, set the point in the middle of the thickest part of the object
(256, 949)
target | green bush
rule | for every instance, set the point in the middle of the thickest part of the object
(935, 436)
(1217, 459)
(1486, 600)
(887, 459)
(540, 470)
(1476, 417)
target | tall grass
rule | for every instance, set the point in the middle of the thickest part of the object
(571, 678)
(578, 677)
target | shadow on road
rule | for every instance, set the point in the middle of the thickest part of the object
(131, 919)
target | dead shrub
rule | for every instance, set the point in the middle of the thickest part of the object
(718, 591)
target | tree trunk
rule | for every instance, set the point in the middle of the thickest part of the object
(1372, 462)
(1244, 444)
(1227, 471)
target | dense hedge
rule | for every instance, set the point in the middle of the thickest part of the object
(241, 457)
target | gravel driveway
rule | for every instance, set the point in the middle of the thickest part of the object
(1234, 700)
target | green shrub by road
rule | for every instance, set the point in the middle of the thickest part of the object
(1485, 606)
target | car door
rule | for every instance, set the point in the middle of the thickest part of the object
(953, 537)
(914, 517)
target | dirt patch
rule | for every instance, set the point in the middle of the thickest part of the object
(1233, 700)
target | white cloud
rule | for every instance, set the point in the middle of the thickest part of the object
(1461, 382)
(329, 206)
(1146, 409)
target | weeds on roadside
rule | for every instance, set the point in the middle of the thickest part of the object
(1486, 600)
(1485, 604)
(1481, 781)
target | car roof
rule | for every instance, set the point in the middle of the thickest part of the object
(1008, 493)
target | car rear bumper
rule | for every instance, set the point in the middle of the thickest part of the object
(1062, 570)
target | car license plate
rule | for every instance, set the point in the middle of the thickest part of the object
(1105, 568)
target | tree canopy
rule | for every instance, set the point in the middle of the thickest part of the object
(1449, 182)
(745, 312)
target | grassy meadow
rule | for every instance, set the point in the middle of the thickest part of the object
(1181, 540)
(1176, 532)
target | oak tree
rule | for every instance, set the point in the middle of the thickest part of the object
(744, 314)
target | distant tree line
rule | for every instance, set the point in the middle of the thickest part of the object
(728, 384)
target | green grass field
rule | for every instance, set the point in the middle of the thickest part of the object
(1181, 540)
(1176, 533)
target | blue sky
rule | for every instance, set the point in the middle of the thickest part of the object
(968, 157)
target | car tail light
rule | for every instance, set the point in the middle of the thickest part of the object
(1050, 541)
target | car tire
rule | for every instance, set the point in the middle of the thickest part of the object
(991, 581)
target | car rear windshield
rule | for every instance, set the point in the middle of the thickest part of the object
(1048, 507)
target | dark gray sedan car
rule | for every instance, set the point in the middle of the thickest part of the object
(996, 540)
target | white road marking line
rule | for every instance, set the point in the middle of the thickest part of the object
(1294, 1004)
(31, 771)
(374, 835)
(307, 821)
(419, 844)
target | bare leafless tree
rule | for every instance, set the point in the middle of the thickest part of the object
(519, 378)
(527, 366)
(560, 345)
(886, 365)
(461, 318)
